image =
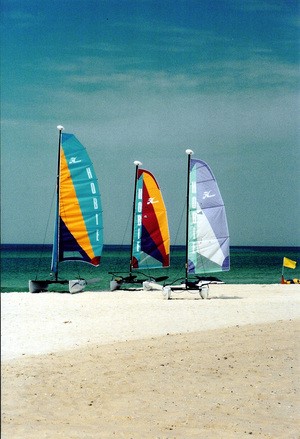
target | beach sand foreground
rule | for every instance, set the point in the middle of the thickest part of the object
(132, 365)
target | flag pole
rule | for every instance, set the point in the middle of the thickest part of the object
(282, 271)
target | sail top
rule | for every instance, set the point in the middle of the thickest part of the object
(189, 151)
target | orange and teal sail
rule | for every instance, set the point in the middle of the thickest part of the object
(151, 239)
(79, 229)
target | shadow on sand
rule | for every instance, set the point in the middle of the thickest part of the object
(209, 298)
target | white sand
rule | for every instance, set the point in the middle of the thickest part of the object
(228, 368)
(35, 324)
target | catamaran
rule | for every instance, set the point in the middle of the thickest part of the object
(78, 234)
(207, 236)
(150, 238)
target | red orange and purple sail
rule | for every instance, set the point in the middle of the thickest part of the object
(151, 239)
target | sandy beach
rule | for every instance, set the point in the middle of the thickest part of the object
(133, 365)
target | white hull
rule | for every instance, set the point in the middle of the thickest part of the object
(77, 285)
(152, 286)
(38, 286)
(202, 288)
(114, 285)
(41, 286)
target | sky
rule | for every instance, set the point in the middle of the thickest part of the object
(145, 80)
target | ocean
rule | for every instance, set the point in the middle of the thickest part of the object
(249, 265)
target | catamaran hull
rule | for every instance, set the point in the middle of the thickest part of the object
(119, 285)
(114, 285)
(77, 285)
(201, 288)
(152, 286)
(38, 286)
(41, 286)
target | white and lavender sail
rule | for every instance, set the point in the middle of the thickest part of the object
(208, 236)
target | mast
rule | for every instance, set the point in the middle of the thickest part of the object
(137, 164)
(189, 152)
(55, 256)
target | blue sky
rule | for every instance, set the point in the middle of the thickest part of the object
(144, 80)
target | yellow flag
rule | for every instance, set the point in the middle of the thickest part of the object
(289, 263)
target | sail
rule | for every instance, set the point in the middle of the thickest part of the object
(208, 236)
(151, 239)
(78, 234)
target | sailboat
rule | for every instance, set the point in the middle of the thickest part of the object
(150, 238)
(78, 229)
(207, 236)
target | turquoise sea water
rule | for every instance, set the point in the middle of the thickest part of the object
(249, 265)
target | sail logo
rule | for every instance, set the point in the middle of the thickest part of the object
(208, 194)
(74, 160)
(152, 200)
